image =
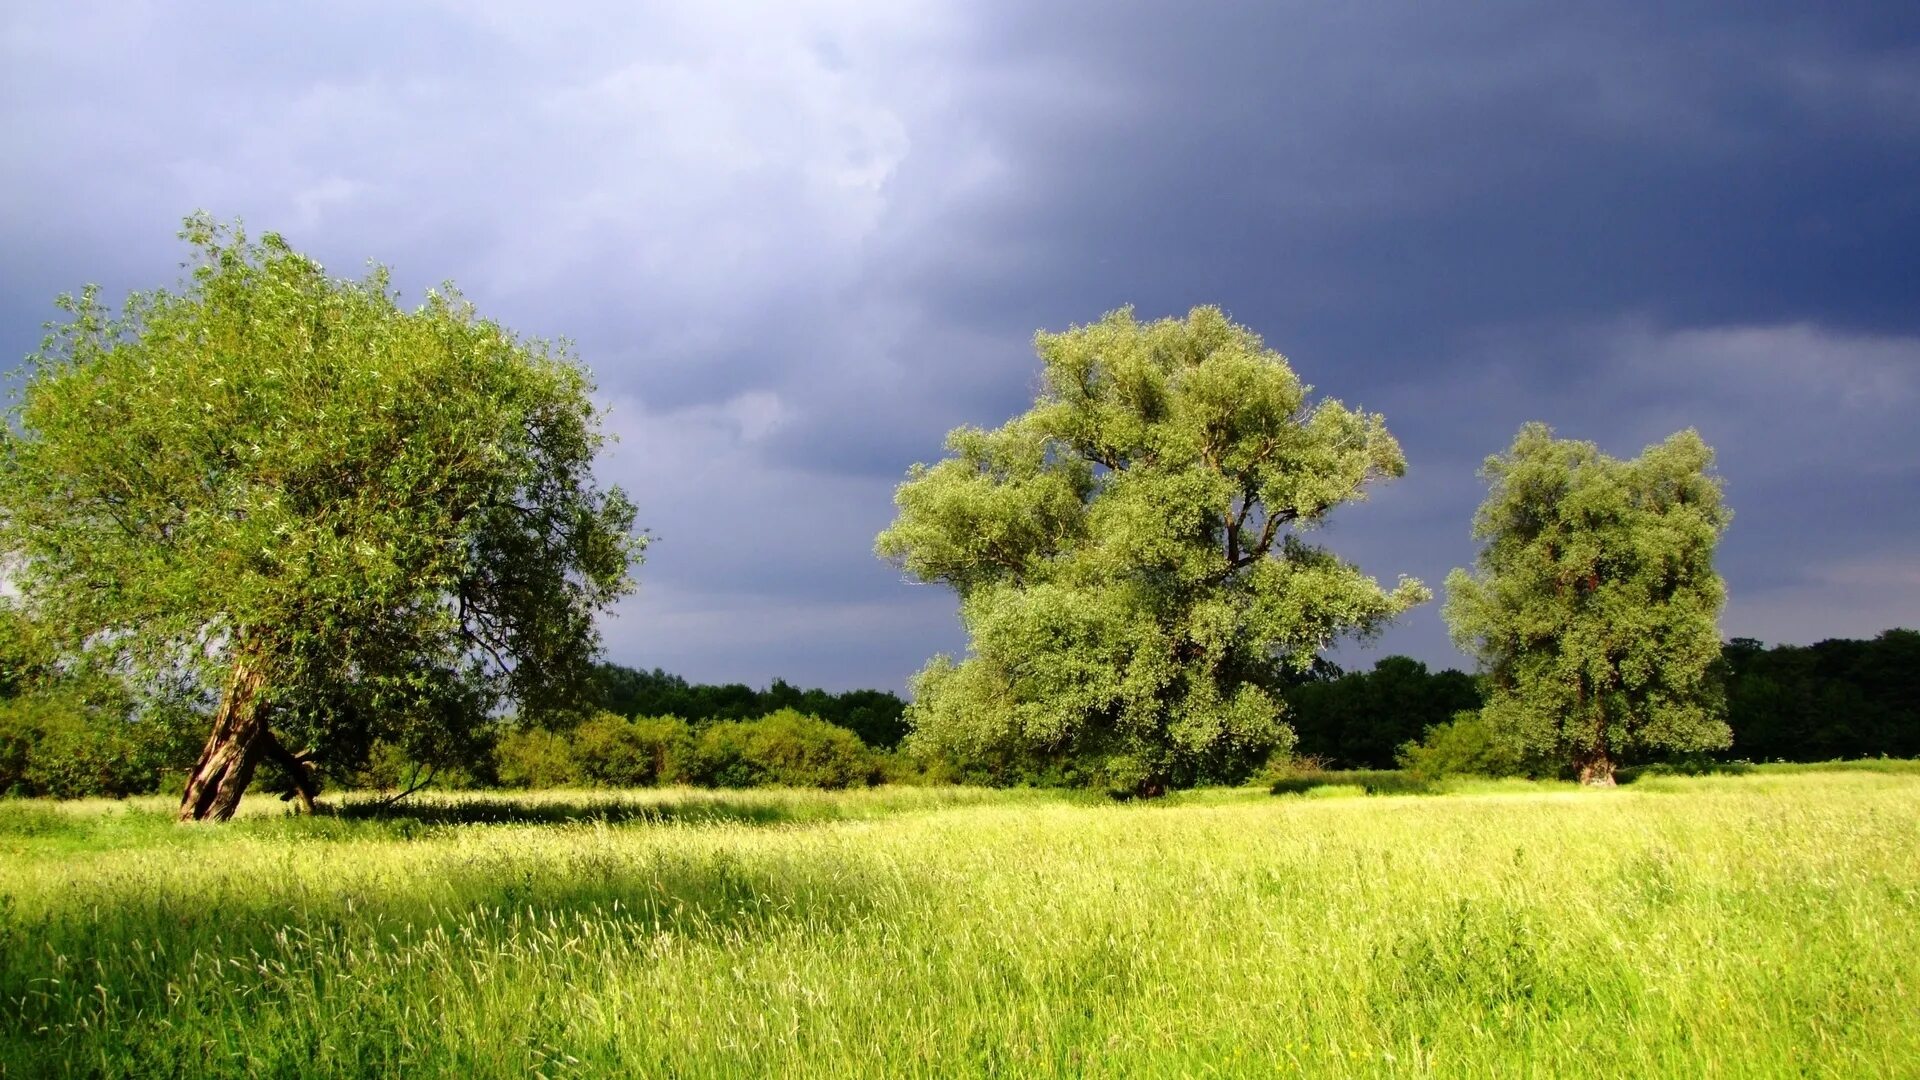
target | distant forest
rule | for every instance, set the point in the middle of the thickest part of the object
(1836, 699)
(1840, 698)
(877, 716)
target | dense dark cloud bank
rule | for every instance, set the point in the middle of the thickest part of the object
(798, 244)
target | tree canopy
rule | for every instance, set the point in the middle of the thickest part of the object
(1131, 554)
(1595, 606)
(349, 520)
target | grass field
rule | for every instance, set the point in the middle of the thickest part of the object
(1758, 925)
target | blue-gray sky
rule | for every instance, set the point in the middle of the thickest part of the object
(798, 242)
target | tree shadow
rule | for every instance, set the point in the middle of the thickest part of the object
(1634, 773)
(1366, 781)
(270, 933)
(486, 809)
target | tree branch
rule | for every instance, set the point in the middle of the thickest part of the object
(419, 782)
(1270, 530)
(299, 769)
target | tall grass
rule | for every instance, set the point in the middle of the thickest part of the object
(1751, 925)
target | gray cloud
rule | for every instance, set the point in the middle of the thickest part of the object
(797, 244)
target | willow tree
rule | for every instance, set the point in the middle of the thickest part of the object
(1131, 555)
(349, 520)
(1595, 609)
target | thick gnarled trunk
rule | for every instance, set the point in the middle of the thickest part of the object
(1595, 769)
(233, 751)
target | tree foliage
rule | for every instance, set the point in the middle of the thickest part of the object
(1595, 608)
(25, 659)
(353, 521)
(1131, 554)
(785, 749)
(874, 715)
(1360, 720)
(1832, 699)
(72, 728)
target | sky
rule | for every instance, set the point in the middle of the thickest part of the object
(798, 242)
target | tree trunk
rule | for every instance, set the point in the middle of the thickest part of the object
(299, 768)
(226, 766)
(1595, 769)
(1593, 765)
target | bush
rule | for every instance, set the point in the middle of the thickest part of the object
(904, 767)
(535, 758)
(613, 751)
(784, 748)
(392, 766)
(1465, 745)
(70, 744)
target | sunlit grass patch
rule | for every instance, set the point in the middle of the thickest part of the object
(1735, 925)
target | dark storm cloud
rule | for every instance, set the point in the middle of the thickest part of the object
(1365, 177)
(1407, 199)
(798, 244)
(1814, 441)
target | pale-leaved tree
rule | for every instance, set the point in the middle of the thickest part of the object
(1132, 556)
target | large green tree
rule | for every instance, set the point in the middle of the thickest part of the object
(1595, 607)
(349, 520)
(1131, 555)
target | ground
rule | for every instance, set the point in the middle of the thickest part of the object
(1752, 925)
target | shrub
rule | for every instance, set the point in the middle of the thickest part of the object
(392, 766)
(613, 751)
(1465, 745)
(70, 744)
(904, 767)
(784, 748)
(17, 740)
(535, 758)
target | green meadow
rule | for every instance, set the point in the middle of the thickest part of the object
(1763, 924)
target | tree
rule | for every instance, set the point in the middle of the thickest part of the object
(1595, 609)
(1361, 719)
(1832, 699)
(1130, 555)
(349, 520)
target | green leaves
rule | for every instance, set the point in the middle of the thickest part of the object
(385, 503)
(1129, 558)
(983, 515)
(1596, 606)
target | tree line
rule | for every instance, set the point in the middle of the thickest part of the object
(76, 733)
(878, 717)
(327, 530)
(1833, 700)
(84, 735)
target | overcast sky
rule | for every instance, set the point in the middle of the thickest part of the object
(797, 243)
